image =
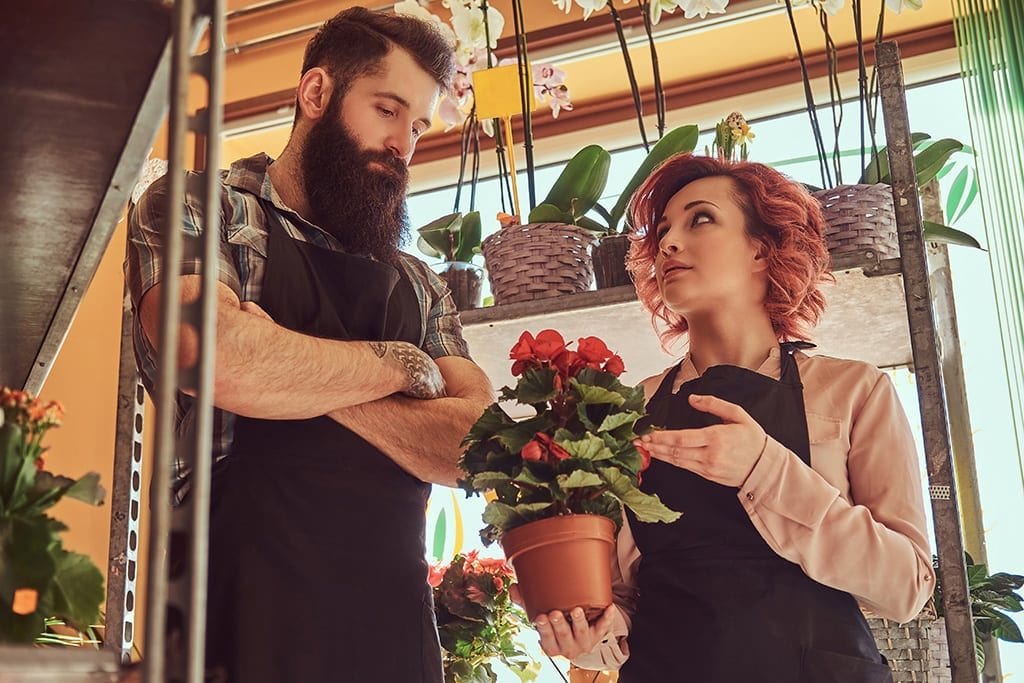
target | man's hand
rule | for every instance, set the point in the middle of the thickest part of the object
(424, 378)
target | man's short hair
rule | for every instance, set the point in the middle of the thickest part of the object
(355, 41)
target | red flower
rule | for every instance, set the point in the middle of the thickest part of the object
(593, 350)
(549, 344)
(615, 365)
(524, 348)
(436, 575)
(552, 448)
(40, 464)
(521, 366)
(533, 451)
(569, 363)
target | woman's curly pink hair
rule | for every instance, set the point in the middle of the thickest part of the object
(782, 217)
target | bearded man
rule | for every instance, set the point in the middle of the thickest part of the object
(343, 385)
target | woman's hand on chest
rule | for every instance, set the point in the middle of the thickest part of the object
(723, 453)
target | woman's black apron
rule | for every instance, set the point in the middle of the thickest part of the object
(716, 604)
(317, 562)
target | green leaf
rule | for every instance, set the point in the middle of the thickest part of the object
(936, 232)
(426, 249)
(592, 225)
(579, 480)
(78, 588)
(972, 194)
(647, 507)
(581, 182)
(878, 170)
(549, 213)
(929, 161)
(536, 386)
(440, 236)
(469, 237)
(616, 420)
(682, 139)
(590, 395)
(501, 516)
(956, 190)
(1006, 629)
(87, 489)
(490, 480)
(587, 447)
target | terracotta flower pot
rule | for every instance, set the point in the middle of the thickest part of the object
(464, 280)
(563, 563)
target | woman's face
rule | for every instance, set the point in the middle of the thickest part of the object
(706, 262)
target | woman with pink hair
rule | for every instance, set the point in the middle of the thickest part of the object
(796, 474)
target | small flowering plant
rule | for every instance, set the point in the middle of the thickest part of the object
(576, 455)
(38, 578)
(477, 621)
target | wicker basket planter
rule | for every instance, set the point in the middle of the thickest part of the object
(860, 219)
(465, 282)
(538, 261)
(609, 255)
(916, 650)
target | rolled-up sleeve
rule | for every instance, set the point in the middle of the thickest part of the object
(147, 228)
(874, 545)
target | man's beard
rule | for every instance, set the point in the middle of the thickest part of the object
(360, 204)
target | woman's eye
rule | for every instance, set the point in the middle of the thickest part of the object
(701, 217)
(662, 231)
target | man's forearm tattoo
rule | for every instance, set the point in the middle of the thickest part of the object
(422, 381)
(379, 348)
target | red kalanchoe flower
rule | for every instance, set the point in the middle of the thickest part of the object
(436, 575)
(569, 363)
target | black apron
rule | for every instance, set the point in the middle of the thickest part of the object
(716, 604)
(317, 561)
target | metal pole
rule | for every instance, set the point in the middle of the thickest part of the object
(927, 367)
(212, 64)
(125, 498)
(167, 380)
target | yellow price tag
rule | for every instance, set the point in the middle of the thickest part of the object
(496, 91)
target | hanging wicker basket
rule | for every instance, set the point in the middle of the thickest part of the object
(860, 219)
(538, 261)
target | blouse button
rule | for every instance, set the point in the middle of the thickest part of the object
(750, 495)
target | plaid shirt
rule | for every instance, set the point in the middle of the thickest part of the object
(243, 260)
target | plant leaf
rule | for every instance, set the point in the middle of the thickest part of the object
(490, 480)
(87, 489)
(469, 237)
(536, 386)
(616, 420)
(930, 160)
(549, 213)
(681, 139)
(956, 191)
(972, 194)
(587, 447)
(936, 232)
(597, 395)
(440, 236)
(78, 588)
(581, 182)
(579, 479)
(878, 170)
(647, 507)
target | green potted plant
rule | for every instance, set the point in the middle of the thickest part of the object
(455, 239)
(39, 579)
(993, 598)
(477, 621)
(560, 478)
(579, 187)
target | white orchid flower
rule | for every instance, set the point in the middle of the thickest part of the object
(702, 8)
(411, 8)
(659, 6)
(564, 5)
(470, 28)
(591, 6)
(898, 5)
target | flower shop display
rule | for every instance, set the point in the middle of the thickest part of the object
(560, 478)
(477, 621)
(39, 579)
